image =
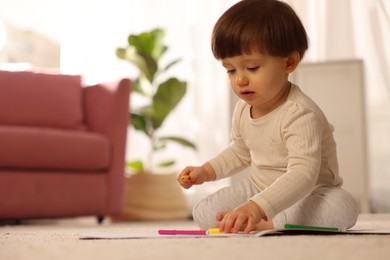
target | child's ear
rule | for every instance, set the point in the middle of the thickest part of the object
(292, 61)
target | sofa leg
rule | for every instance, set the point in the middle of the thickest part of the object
(100, 219)
(9, 222)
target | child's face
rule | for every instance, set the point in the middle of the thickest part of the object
(259, 79)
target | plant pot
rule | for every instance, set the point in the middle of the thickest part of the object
(152, 197)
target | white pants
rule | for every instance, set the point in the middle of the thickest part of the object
(325, 206)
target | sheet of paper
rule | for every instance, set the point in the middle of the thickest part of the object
(115, 235)
(385, 231)
(119, 235)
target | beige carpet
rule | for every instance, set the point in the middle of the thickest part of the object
(59, 239)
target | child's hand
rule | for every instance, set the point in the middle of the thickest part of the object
(192, 175)
(247, 215)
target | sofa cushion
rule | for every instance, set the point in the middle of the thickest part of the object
(37, 99)
(49, 148)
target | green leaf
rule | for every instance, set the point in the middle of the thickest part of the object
(139, 123)
(145, 63)
(137, 88)
(158, 145)
(150, 43)
(136, 166)
(166, 163)
(178, 140)
(172, 63)
(168, 95)
(121, 53)
(151, 66)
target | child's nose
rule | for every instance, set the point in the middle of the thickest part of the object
(242, 80)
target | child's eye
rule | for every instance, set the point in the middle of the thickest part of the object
(231, 71)
(253, 68)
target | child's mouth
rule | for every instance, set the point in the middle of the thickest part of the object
(247, 94)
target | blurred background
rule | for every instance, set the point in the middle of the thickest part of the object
(80, 37)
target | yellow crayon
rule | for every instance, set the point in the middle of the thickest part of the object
(185, 177)
(216, 231)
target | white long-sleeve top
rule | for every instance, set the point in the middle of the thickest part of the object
(290, 151)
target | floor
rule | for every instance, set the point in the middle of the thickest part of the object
(60, 239)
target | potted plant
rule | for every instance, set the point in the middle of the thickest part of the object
(160, 96)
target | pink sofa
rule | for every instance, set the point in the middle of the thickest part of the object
(62, 146)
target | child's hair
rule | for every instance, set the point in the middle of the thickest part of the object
(268, 26)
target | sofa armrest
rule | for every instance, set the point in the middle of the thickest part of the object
(107, 113)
